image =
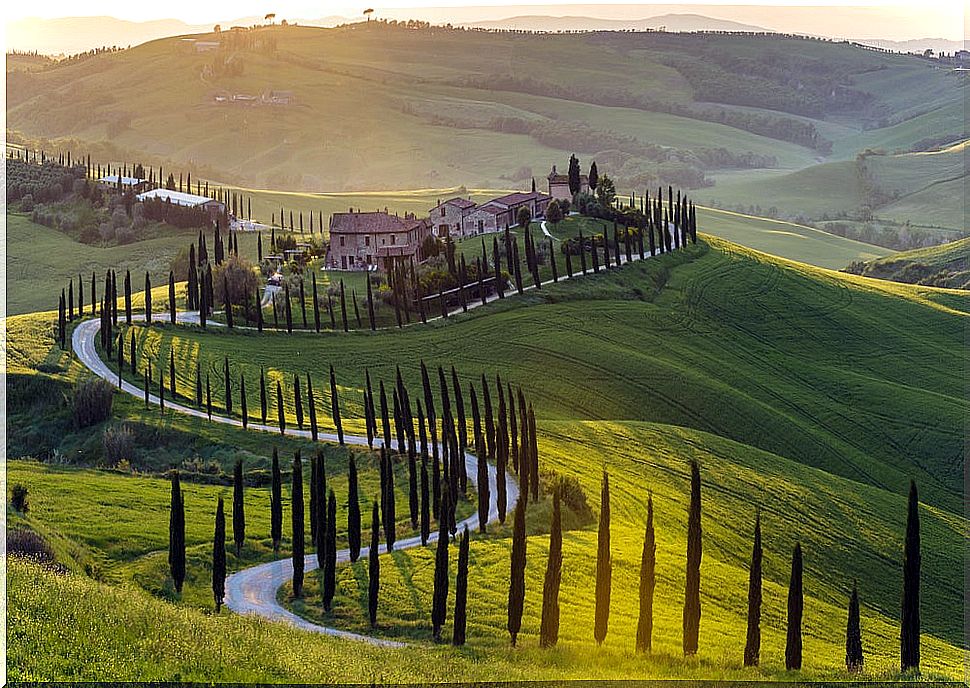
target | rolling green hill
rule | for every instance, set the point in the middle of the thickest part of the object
(747, 363)
(947, 265)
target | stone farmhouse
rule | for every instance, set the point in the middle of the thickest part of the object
(459, 217)
(559, 185)
(371, 240)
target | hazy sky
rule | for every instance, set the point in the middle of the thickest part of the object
(915, 18)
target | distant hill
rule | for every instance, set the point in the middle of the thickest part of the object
(947, 265)
(671, 22)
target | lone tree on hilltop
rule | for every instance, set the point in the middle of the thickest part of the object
(219, 557)
(853, 635)
(796, 605)
(752, 648)
(176, 534)
(648, 581)
(910, 626)
(692, 597)
(604, 565)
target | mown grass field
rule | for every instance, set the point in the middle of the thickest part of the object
(742, 361)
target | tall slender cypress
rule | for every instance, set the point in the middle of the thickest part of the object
(176, 534)
(853, 635)
(796, 602)
(297, 401)
(752, 648)
(692, 598)
(297, 523)
(335, 406)
(549, 626)
(517, 572)
(316, 305)
(461, 592)
(238, 515)
(171, 296)
(311, 405)
(280, 411)
(370, 306)
(909, 650)
(604, 565)
(648, 582)
(330, 552)
(374, 566)
(148, 299)
(440, 593)
(353, 510)
(219, 557)
(276, 503)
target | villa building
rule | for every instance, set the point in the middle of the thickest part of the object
(559, 185)
(365, 240)
(448, 218)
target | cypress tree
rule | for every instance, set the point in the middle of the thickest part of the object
(752, 648)
(604, 565)
(533, 454)
(517, 573)
(259, 312)
(311, 405)
(297, 521)
(853, 635)
(489, 419)
(280, 411)
(353, 510)
(297, 401)
(303, 302)
(227, 300)
(219, 557)
(390, 510)
(461, 592)
(374, 567)
(425, 498)
(796, 602)
(440, 594)
(61, 320)
(648, 565)
(171, 296)
(549, 626)
(80, 297)
(148, 299)
(692, 599)
(276, 503)
(370, 305)
(316, 305)
(288, 309)
(315, 508)
(335, 406)
(385, 419)
(483, 490)
(238, 515)
(343, 306)
(171, 372)
(330, 552)
(909, 649)
(262, 396)
(319, 488)
(70, 301)
(128, 297)
(176, 534)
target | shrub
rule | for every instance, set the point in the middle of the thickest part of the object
(91, 402)
(26, 543)
(19, 498)
(119, 445)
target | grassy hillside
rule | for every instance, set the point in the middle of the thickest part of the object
(741, 361)
(947, 265)
(377, 106)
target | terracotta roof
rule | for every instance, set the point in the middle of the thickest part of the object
(459, 202)
(519, 197)
(371, 223)
(491, 208)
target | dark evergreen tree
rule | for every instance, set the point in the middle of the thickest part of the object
(909, 649)
(297, 401)
(330, 553)
(752, 648)
(574, 176)
(439, 600)
(604, 565)
(316, 305)
(276, 503)
(315, 532)
(593, 176)
(311, 406)
(854, 660)
(461, 592)
(298, 528)
(219, 557)
(227, 300)
(171, 372)
(796, 604)
(176, 534)
(517, 573)
(692, 594)
(171, 296)
(335, 406)
(370, 305)
(148, 299)
(128, 297)
(288, 310)
(549, 626)
(280, 411)
(648, 582)
(343, 307)
(353, 510)
(374, 566)
(303, 302)
(238, 514)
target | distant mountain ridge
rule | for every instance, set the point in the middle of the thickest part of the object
(671, 22)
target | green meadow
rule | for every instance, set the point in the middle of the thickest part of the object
(747, 363)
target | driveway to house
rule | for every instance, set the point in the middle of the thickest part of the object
(253, 590)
